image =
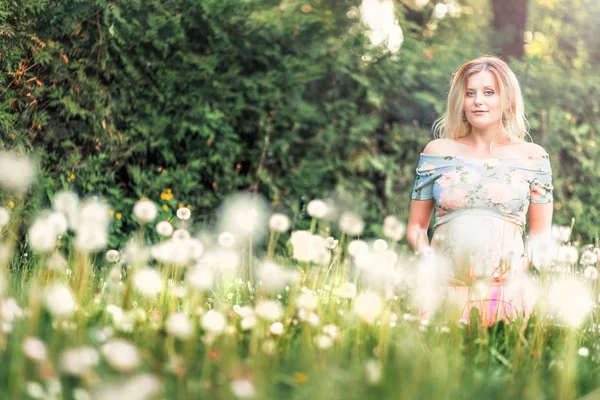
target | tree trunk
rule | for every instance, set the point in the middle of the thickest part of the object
(509, 20)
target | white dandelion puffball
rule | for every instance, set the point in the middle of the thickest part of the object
(35, 349)
(148, 282)
(42, 236)
(351, 224)
(373, 372)
(380, 245)
(346, 290)
(164, 228)
(135, 253)
(279, 223)
(93, 211)
(561, 233)
(570, 300)
(567, 254)
(309, 248)
(591, 273)
(542, 250)
(276, 328)
(317, 209)
(184, 213)
(200, 277)
(248, 323)
(67, 203)
(583, 352)
(269, 310)
(112, 256)
(181, 234)
(121, 355)
(244, 215)
(588, 257)
(4, 217)
(273, 277)
(59, 300)
(307, 301)
(214, 322)
(16, 171)
(243, 389)
(59, 222)
(357, 247)
(324, 342)
(331, 243)
(393, 228)
(226, 239)
(145, 211)
(179, 326)
(77, 361)
(367, 306)
(91, 236)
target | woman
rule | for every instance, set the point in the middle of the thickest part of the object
(483, 180)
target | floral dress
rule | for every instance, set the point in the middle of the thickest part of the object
(480, 213)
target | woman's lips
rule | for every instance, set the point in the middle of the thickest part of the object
(479, 112)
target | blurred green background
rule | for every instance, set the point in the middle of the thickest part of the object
(185, 101)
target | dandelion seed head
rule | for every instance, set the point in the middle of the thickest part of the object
(214, 322)
(164, 228)
(244, 215)
(317, 209)
(181, 234)
(276, 328)
(200, 278)
(147, 282)
(35, 349)
(583, 351)
(91, 237)
(331, 243)
(59, 222)
(542, 250)
(16, 171)
(357, 247)
(59, 300)
(346, 290)
(368, 306)
(184, 213)
(351, 223)
(4, 217)
(279, 223)
(588, 257)
(373, 372)
(561, 233)
(226, 239)
(591, 273)
(307, 301)
(380, 245)
(323, 342)
(273, 277)
(93, 212)
(179, 326)
(145, 211)
(42, 236)
(269, 310)
(112, 256)
(243, 389)
(570, 301)
(248, 323)
(121, 355)
(309, 248)
(393, 228)
(78, 360)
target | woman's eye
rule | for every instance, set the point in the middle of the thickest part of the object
(489, 92)
(470, 93)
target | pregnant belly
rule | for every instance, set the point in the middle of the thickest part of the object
(478, 246)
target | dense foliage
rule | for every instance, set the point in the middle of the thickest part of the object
(187, 100)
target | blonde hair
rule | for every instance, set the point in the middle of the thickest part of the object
(513, 122)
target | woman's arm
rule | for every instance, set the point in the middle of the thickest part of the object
(540, 218)
(418, 222)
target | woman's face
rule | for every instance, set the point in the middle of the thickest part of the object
(482, 100)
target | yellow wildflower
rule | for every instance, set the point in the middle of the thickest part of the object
(300, 377)
(111, 213)
(165, 207)
(118, 216)
(167, 194)
(179, 205)
(11, 204)
(143, 198)
(72, 176)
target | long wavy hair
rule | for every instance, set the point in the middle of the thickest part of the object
(513, 123)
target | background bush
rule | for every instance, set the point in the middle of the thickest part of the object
(185, 101)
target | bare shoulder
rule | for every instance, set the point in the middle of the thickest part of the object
(439, 146)
(528, 149)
